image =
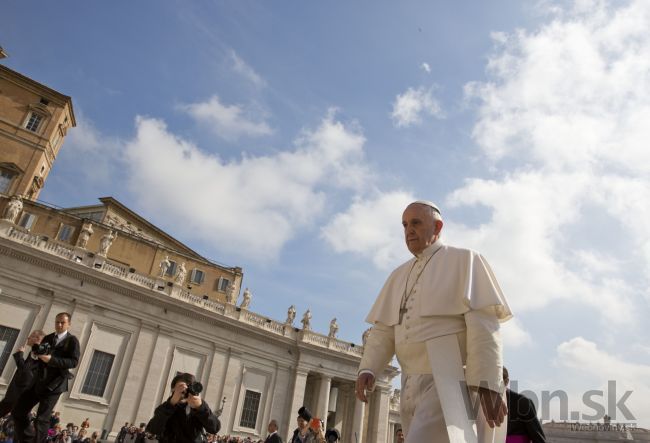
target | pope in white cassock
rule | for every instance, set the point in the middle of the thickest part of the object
(439, 313)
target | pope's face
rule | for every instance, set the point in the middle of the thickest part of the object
(420, 228)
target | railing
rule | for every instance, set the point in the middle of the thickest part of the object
(245, 316)
(142, 280)
(116, 270)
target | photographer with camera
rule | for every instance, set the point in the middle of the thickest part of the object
(184, 417)
(57, 354)
(25, 372)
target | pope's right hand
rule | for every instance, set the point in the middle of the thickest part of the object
(365, 383)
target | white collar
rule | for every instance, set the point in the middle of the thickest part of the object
(61, 336)
(429, 250)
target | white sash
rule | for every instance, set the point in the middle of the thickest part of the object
(447, 368)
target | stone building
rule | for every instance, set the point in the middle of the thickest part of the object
(145, 306)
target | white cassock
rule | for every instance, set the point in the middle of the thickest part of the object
(448, 339)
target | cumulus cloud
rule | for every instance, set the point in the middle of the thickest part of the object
(229, 122)
(371, 228)
(590, 367)
(409, 107)
(248, 207)
(425, 67)
(245, 70)
(564, 105)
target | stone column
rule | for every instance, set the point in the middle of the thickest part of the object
(322, 403)
(357, 421)
(298, 396)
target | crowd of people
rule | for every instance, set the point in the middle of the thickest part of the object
(56, 433)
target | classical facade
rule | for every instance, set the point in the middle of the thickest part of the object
(145, 307)
(34, 120)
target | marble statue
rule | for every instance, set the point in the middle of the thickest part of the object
(306, 320)
(364, 337)
(164, 266)
(106, 242)
(84, 235)
(291, 315)
(334, 328)
(230, 294)
(181, 274)
(13, 208)
(245, 303)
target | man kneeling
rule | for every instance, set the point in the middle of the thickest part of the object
(184, 416)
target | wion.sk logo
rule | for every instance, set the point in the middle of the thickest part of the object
(597, 404)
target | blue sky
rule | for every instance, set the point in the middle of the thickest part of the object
(286, 138)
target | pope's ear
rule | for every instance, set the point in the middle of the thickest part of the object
(438, 226)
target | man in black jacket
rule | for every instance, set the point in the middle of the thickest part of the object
(183, 417)
(522, 417)
(51, 380)
(24, 375)
(273, 436)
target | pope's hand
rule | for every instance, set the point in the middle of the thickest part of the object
(365, 383)
(494, 407)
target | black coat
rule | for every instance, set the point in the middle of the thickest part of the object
(172, 424)
(522, 418)
(53, 376)
(26, 370)
(275, 438)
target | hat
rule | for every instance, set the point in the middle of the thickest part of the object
(304, 413)
(332, 433)
(429, 204)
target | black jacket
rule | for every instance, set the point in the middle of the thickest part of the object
(172, 424)
(53, 376)
(26, 370)
(522, 418)
(275, 438)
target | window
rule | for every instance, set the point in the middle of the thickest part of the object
(8, 338)
(171, 271)
(222, 284)
(65, 232)
(250, 409)
(97, 375)
(197, 276)
(27, 220)
(34, 122)
(6, 177)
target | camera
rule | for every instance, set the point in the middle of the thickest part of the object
(41, 349)
(194, 388)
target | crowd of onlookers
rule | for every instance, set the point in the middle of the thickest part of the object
(57, 433)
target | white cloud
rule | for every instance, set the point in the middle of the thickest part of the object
(371, 228)
(229, 122)
(592, 368)
(568, 106)
(425, 67)
(409, 107)
(514, 335)
(245, 70)
(250, 207)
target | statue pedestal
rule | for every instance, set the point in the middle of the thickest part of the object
(80, 255)
(5, 226)
(98, 261)
(160, 284)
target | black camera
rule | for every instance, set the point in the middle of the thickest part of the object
(194, 388)
(41, 349)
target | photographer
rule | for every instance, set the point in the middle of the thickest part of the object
(184, 416)
(25, 373)
(57, 354)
